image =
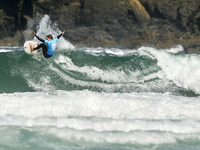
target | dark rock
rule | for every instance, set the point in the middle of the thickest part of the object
(130, 23)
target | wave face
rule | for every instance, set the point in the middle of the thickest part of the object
(101, 69)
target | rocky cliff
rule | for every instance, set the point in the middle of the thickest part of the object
(129, 23)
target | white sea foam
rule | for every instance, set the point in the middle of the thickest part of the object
(85, 116)
(176, 49)
(5, 50)
(106, 125)
(89, 104)
(110, 51)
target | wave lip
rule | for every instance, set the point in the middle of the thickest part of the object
(182, 70)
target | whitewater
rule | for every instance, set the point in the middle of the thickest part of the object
(86, 98)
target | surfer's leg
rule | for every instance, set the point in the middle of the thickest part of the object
(38, 47)
(44, 49)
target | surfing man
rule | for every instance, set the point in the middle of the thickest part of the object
(48, 46)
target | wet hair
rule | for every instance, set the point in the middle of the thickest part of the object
(50, 36)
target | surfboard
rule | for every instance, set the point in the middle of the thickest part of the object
(27, 47)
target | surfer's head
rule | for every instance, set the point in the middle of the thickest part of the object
(49, 37)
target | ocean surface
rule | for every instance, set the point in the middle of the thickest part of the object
(86, 98)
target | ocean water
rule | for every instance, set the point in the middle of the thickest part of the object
(86, 98)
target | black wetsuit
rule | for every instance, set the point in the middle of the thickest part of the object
(44, 46)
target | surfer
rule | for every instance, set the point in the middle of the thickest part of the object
(48, 46)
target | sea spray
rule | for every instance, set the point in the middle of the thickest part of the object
(43, 27)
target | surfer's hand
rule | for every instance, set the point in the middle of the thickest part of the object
(63, 32)
(33, 32)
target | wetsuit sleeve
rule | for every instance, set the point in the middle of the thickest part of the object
(59, 36)
(39, 38)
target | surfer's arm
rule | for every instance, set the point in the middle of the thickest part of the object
(38, 37)
(60, 34)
